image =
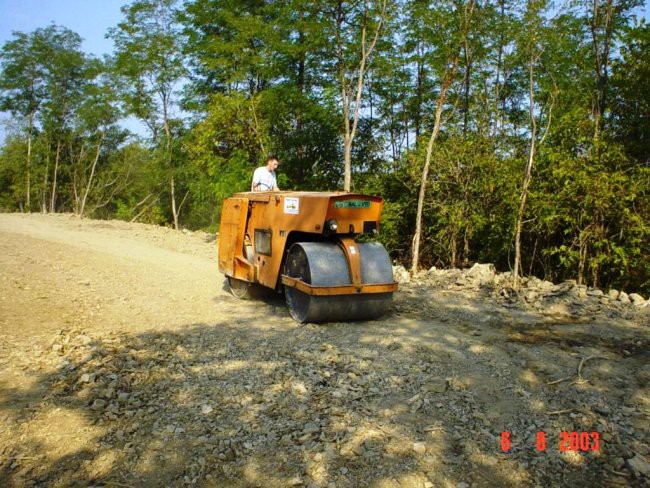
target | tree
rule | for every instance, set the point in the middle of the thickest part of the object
(23, 65)
(97, 117)
(148, 55)
(357, 27)
(66, 76)
(604, 18)
(459, 30)
(532, 48)
(42, 77)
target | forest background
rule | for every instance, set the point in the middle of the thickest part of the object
(511, 132)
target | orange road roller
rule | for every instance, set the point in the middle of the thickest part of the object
(307, 245)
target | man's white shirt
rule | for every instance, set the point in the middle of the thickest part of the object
(265, 179)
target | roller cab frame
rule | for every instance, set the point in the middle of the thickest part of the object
(306, 243)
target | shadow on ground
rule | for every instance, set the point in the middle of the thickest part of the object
(257, 400)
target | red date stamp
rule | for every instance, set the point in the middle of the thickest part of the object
(568, 441)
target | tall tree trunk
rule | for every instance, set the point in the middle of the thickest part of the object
(168, 150)
(28, 196)
(92, 174)
(532, 150)
(54, 177)
(527, 172)
(450, 73)
(76, 166)
(582, 260)
(602, 48)
(466, 247)
(447, 81)
(419, 95)
(454, 251)
(173, 193)
(301, 59)
(46, 177)
(466, 83)
(497, 84)
(366, 51)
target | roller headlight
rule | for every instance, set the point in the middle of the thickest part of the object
(332, 225)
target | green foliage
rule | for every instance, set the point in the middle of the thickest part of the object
(149, 61)
(303, 133)
(224, 149)
(12, 181)
(591, 213)
(630, 121)
(130, 186)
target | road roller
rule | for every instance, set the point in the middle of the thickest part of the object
(308, 245)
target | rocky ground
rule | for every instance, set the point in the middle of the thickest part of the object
(125, 362)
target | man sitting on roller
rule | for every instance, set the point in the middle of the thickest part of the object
(264, 177)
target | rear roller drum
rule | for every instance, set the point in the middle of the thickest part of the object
(324, 264)
(244, 290)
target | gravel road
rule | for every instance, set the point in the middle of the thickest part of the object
(125, 362)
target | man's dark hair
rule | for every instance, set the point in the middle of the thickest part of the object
(272, 157)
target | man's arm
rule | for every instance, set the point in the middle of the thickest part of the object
(256, 181)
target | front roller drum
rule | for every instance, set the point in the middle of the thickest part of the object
(324, 264)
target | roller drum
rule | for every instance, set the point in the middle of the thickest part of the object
(325, 264)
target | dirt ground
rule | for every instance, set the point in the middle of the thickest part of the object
(125, 362)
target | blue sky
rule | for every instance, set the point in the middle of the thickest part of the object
(88, 18)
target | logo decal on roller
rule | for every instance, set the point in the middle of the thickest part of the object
(353, 250)
(291, 205)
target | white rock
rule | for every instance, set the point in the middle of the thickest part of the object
(613, 294)
(546, 285)
(419, 447)
(637, 299)
(87, 378)
(483, 274)
(624, 298)
(530, 296)
(401, 274)
(206, 409)
(299, 388)
(579, 291)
